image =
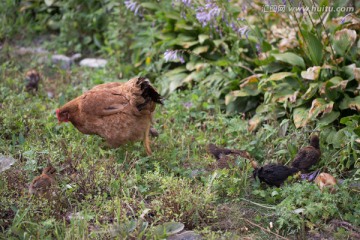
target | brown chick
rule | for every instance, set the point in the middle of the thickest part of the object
(118, 112)
(326, 180)
(44, 184)
(32, 78)
(217, 152)
(308, 156)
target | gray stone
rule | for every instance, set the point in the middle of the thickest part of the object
(75, 57)
(187, 235)
(6, 162)
(29, 50)
(63, 61)
(93, 62)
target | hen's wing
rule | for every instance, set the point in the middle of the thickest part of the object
(104, 102)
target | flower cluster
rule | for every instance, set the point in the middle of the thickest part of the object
(132, 6)
(208, 13)
(173, 55)
(186, 2)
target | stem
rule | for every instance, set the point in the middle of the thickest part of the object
(264, 229)
(258, 204)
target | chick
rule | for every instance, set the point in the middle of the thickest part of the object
(308, 156)
(326, 180)
(273, 174)
(32, 78)
(44, 184)
(217, 152)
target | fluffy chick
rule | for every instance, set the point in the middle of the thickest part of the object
(326, 180)
(217, 152)
(32, 78)
(272, 174)
(308, 156)
(44, 184)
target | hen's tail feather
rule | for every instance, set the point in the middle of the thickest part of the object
(148, 92)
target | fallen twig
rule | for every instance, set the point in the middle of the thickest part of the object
(258, 204)
(264, 229)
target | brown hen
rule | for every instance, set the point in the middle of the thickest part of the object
(308, 156)
(118, 112)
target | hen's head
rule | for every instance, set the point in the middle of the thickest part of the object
(62, 116)
(314, 141)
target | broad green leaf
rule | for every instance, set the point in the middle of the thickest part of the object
(350, 119)
(313, 48)
(168, 229)
(239, 104)
(343, 40)
(328, 118)
(217, 42)
(188, 44)
(183, 26)
(49, 2)
(300, 116)
(201, 49)
(176, 81)
(203, 38)
(150, 5)
(265, 46)
(280, 76)
(175, 71)
(193, 76)
(266, 61)
(318, 106)
(254, 122)
(290, 58)
(352, 103)
(311, 73)
(311, 91)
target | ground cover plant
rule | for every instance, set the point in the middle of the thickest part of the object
(237, 74)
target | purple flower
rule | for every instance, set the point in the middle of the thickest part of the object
(243, 31)
(207, 13)
(258, 48)
(187, 104)
(132, 6)
(186, 2)
(173, 55)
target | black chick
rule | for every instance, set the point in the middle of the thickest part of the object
(272, 174)
(308, 156)
(32, 78)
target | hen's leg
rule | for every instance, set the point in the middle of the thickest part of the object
(147, 140)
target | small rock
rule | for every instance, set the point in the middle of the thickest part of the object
(93, 62)
(6, 162)
(75, 57)
(29, 50)
(50, 94)
(63, 61)
(187, 235)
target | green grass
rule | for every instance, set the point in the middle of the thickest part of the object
(119, 188)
